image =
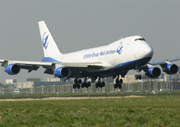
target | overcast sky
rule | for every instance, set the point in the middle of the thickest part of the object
(82, 24)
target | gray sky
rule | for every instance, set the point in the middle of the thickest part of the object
(81, 24)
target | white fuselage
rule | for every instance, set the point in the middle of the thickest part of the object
(122, 51)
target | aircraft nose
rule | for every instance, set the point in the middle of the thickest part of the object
(143, 50)
(148, 51)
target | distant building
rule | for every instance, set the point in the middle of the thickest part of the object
(129, 79)
(24, 85)
(10, 81)
(33, 79)
(45, 83)
(1, 85)
(51, 82)
(53, 79)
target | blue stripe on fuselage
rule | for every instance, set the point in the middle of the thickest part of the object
(132, 64)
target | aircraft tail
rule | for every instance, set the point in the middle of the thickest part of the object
(49, 46)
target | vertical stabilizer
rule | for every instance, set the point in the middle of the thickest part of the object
(49, 46)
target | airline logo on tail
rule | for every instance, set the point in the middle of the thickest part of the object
(45, 41)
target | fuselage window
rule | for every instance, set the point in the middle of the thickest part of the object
(140, 39)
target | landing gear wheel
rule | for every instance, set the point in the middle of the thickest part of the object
(121, 81)
(89, 84)
(86, 85)
(79, 81)
(76, 81)
(103, 84)
(78, 86)
(100, 84)
(97, 85)
(117, 81)
(115, 86)
(83, 85)
(138, 77)
(74, 86)
(120, 86)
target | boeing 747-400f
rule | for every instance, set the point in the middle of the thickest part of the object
(115, 59)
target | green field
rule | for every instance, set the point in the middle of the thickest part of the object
(148, 111)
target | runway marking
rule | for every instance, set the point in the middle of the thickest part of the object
(68, 98)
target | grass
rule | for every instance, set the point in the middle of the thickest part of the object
(148, 111)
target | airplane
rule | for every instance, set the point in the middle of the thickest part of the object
(114, 59)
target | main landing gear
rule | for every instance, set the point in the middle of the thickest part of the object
(138, 77)
(119, 83)
(100, 84)
(78, 83)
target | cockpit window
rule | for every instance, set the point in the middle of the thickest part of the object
(140, 39)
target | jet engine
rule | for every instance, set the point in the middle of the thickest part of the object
(12, 69)
(170, 68)
(153, 72)
(62, 72)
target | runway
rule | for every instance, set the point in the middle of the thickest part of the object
(60, 97)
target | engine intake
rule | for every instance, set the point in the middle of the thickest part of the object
(12, 69)
(62, 72)
(153, 72)
(170, 69)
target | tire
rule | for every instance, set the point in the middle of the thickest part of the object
(79, 81)
(86, 85)
(103, 84)
(97, 85)
(117, 81)
(120, 86)
(120, 81)
(74, 86)
(76, 81)
(136, 77)
(83, 85)
(78, 86)
(89, 84)
(100, 85)
(115, 86)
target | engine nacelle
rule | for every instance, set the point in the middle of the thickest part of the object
(62, 72)
(153, 72)
(12, 69)
(170, 68)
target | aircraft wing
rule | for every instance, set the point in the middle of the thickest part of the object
(165, 61)
(30, 66)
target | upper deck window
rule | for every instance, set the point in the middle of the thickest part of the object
(140, 39)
